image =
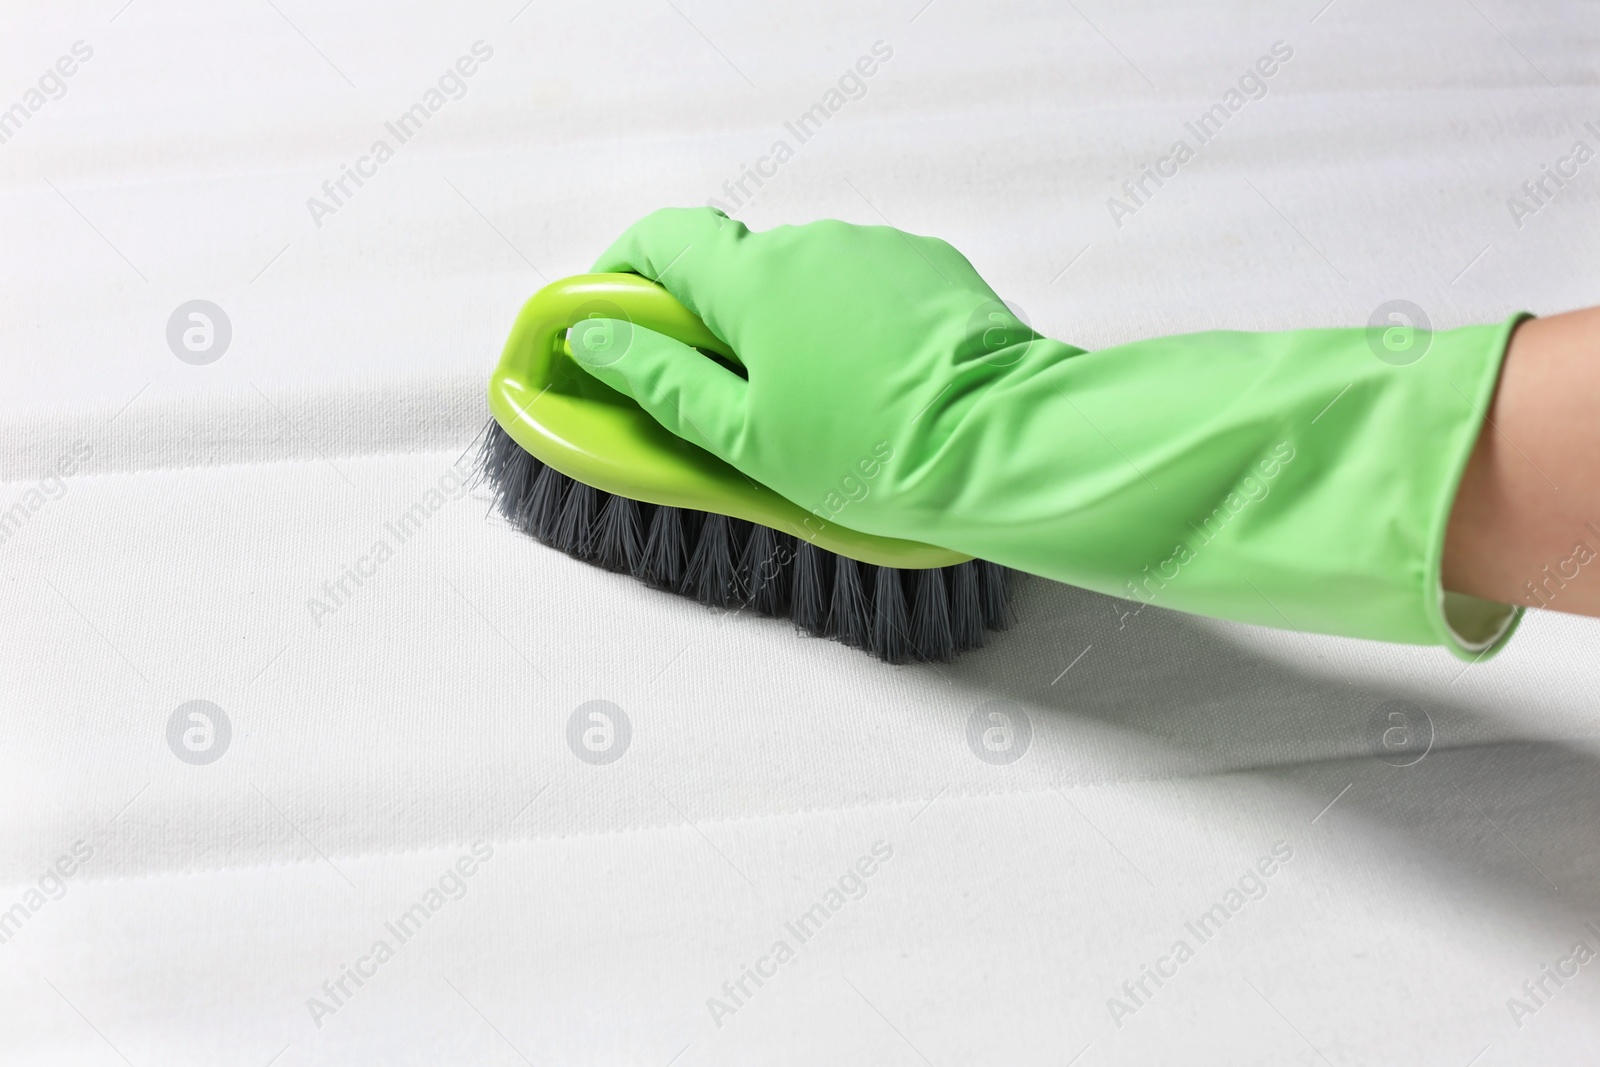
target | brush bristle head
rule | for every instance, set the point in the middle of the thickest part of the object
(711, 576)
(619, 538)
(813, 588)
(664, 557)
(849, 612)
(897, 615)
(933, 634)
(891, 623)
(766, 570)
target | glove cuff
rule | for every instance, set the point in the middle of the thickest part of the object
(1472, 628)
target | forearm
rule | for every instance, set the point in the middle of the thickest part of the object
(1525, 528)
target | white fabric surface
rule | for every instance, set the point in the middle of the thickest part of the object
(374, 743)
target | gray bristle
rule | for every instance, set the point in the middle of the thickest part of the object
(574, 528)
(849, 613)
(540, 509)
(710, 575)
(994, 594)
(727, 562)
(739, 533)
(966, 612)
(764, 570)
(618, 535)
(663, 558)
(812, 588)
(510, 472)
(931, 633)
(890, 641)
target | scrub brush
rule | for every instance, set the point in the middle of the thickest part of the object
(582, 468)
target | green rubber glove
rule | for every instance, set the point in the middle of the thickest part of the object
(1289, 479)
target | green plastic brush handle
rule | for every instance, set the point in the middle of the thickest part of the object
(583, 428)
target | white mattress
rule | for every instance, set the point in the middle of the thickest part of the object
(1428, 825)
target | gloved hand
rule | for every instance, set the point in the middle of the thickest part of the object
(1288, 479)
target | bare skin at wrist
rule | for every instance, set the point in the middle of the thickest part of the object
(1525, 527)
